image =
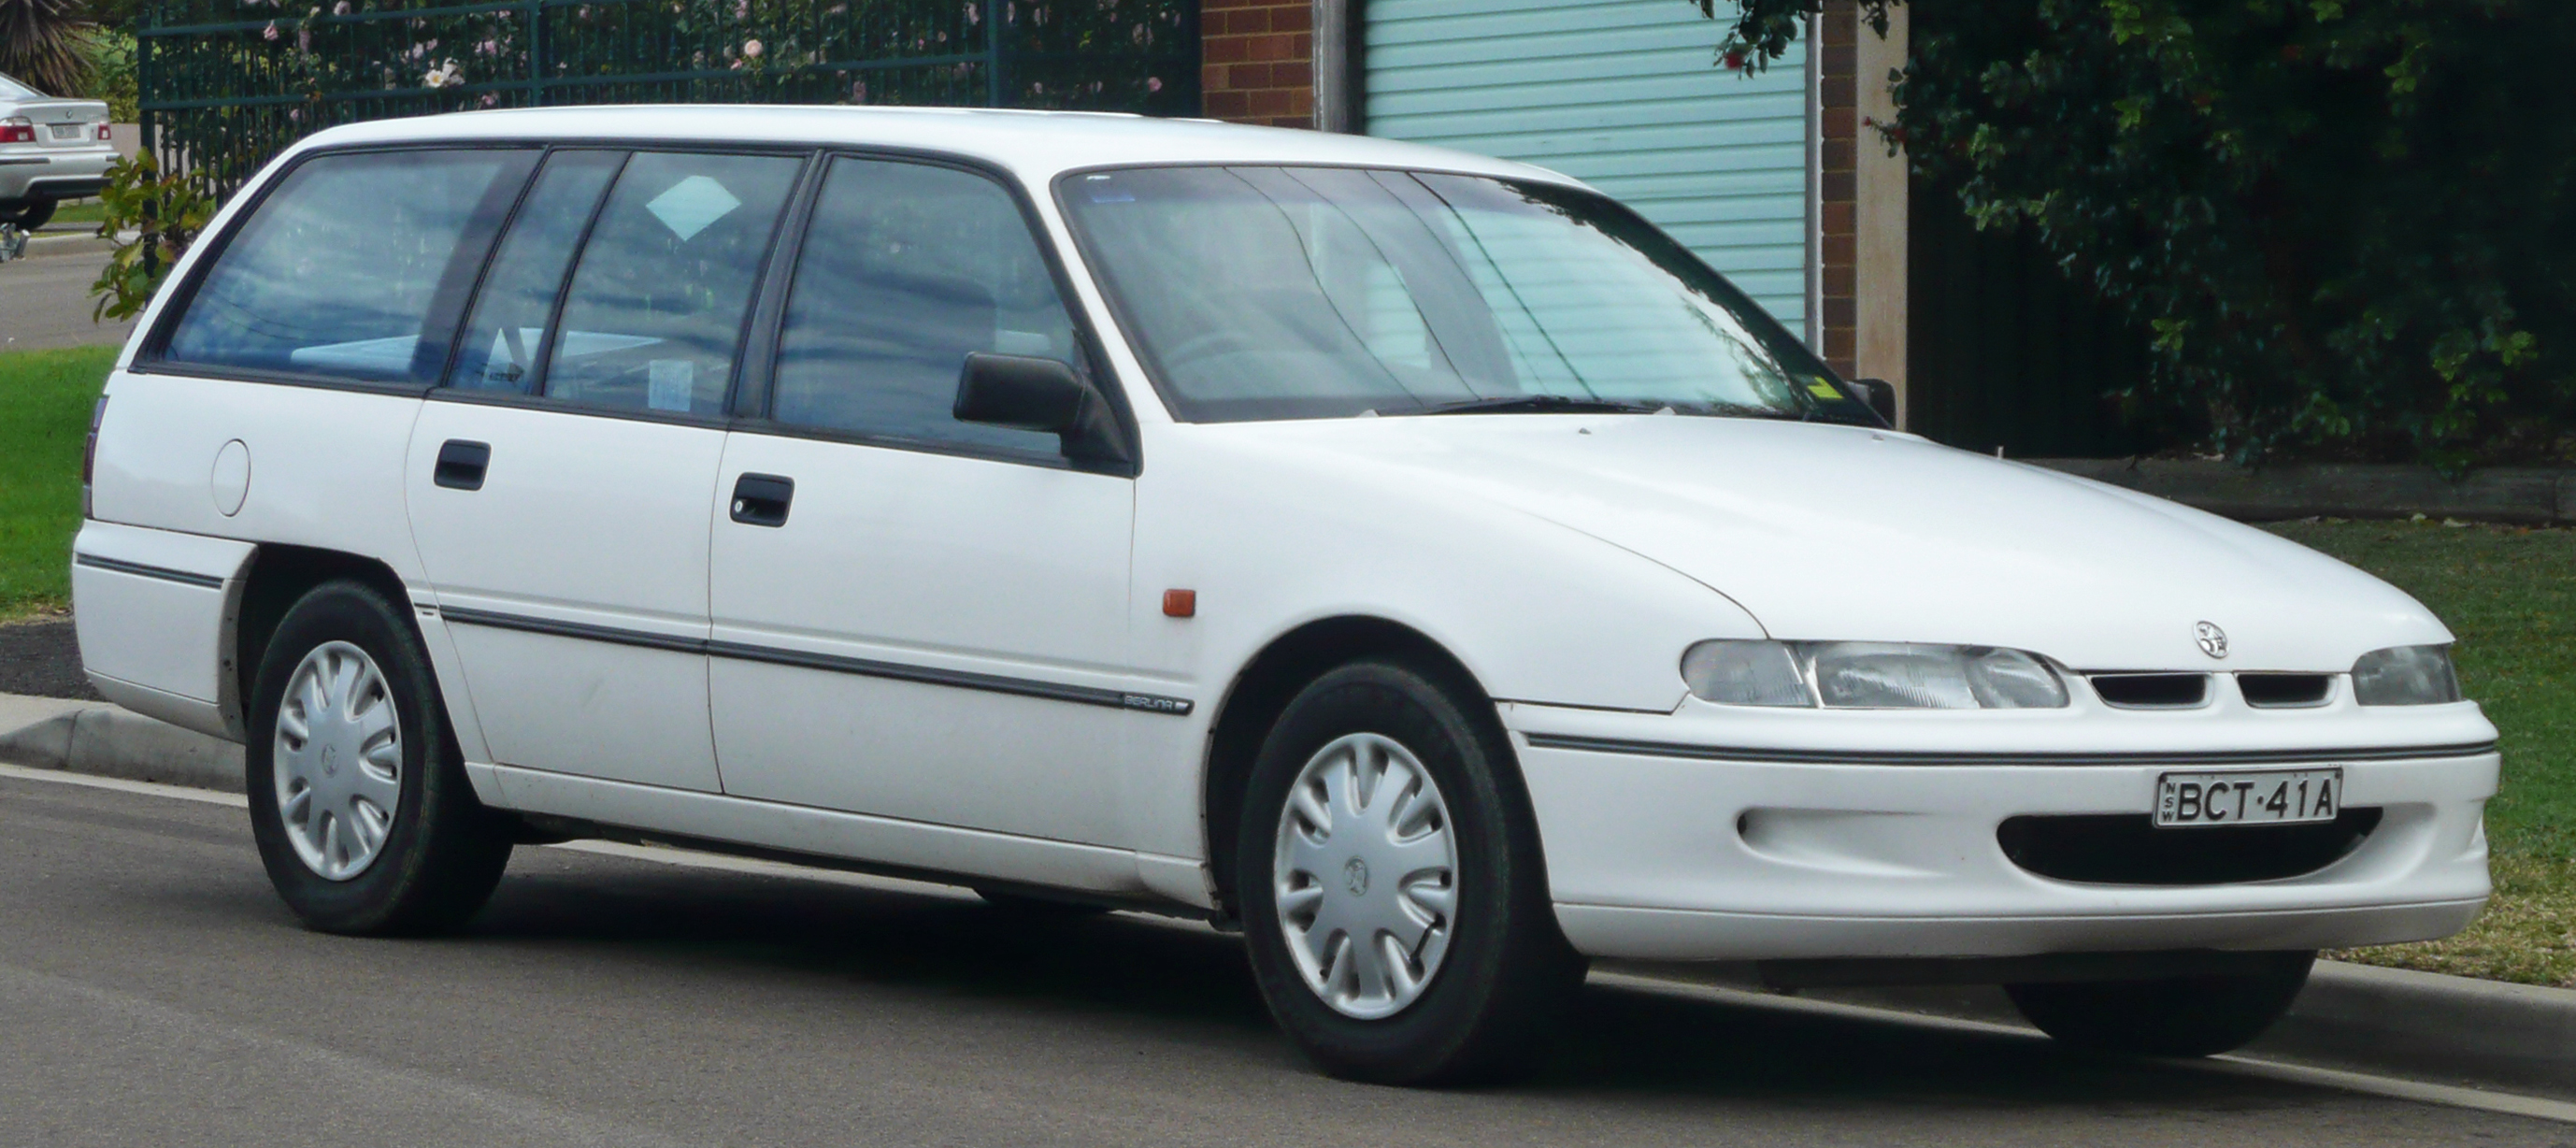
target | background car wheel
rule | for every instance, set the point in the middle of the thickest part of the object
(29, 214)
(1389, 878)
(359, 804)
(2177, 1016)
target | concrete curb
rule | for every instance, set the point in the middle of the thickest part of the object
(2530, 495)
(106, 741)
(2354, 1017)
(50, 245)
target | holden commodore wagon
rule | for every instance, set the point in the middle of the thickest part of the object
(1415, 560)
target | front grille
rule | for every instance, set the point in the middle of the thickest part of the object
(2280, 691)
(2152, 691)
(2128, 849)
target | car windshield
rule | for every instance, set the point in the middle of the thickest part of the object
(13, 90)
(1306, 292)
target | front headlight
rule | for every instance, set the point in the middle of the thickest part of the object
(1870, 675)
(2405, 676)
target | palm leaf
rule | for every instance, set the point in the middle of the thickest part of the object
(41, 41)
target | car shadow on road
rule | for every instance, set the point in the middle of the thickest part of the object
(1620, 1040)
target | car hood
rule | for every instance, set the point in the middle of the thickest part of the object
(1832, 532)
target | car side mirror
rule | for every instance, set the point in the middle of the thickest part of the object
(1880, 395)
(1042, 395)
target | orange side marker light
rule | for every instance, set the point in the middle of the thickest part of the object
(1180, 603)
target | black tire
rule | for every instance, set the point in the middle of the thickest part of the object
(28, 214)
(1508, 972)
(443, 852)
(2175, 1016)
(1036, 907)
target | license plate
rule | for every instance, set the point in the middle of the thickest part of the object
(67, 131)
(2270, 797)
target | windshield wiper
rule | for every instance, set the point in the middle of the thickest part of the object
(1545, 404)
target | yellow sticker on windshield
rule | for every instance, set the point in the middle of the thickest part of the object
(1822, 389)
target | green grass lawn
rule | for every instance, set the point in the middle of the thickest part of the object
(45, 399)
(2510, 595)
(88, 211)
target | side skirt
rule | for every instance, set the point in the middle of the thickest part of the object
(585, 806)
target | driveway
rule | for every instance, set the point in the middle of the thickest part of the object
(44, 302)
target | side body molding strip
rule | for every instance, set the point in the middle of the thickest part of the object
(830, 663)
(183, 577)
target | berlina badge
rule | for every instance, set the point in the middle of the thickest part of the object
(2213, 641)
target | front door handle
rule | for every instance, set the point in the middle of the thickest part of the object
(761, 499)
(461, 464)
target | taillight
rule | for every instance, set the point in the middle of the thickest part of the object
(106, 132)
(89, 452)
(17, 129)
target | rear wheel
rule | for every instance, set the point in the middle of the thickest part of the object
(29, 214)
(1393, 897)
(358, 801)
(2174, 1016)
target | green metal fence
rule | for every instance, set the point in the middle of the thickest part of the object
(226, 84)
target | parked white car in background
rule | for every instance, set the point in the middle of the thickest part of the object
(1414, 558)
(51, 149)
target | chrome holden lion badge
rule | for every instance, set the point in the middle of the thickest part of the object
(2213, 641)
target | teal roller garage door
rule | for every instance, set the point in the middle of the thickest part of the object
(1624, 95)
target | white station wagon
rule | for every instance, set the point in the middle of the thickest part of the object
(1413, 559)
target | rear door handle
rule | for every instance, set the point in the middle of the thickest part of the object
(461, 464)
(761, 499)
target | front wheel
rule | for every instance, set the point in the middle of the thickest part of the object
(2174, 1016)
(358, 801)
(1390, 883)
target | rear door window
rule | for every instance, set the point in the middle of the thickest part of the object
(354, 268)
(654, 317)
(501, 342)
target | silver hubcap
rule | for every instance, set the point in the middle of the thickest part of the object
(1366, 875)
(339, 760)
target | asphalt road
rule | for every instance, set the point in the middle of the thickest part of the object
(153, 991)
(44, 302)
(41, 657)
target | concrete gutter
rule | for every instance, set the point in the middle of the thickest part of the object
(2422, 1026)
(2528, 495)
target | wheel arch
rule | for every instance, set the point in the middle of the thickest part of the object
(279, 575)
(1262, 690)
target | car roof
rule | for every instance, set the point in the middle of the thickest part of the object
(1035, 145)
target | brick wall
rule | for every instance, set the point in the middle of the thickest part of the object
(1838, 256)
(1257, 63)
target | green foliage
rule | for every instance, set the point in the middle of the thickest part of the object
(45, 400)
(165, 213)
(42, 41)
(2350, 224)
(116, 14)
(110, 55)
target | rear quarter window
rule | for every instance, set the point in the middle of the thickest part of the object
(352, 268)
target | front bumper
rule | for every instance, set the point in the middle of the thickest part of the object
(1714, 834)
(48, 173)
